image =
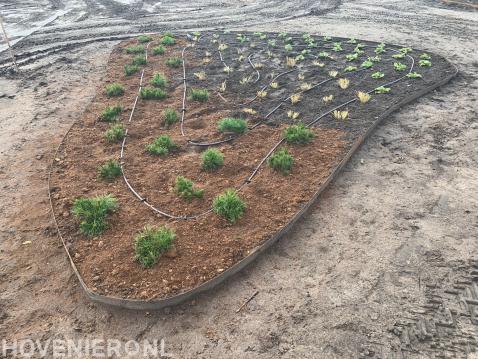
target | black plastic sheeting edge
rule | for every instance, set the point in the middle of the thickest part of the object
(179, 298)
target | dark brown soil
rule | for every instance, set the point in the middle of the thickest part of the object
(209, 245)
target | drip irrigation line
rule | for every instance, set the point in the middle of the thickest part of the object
(183, 109)
(254, 67)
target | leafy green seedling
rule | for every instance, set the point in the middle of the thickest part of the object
(398, 66)
(352, 57)
(382, 90)
(367, 64)
(378, 75)
(337, 47)
(414, 75)
(425, 63)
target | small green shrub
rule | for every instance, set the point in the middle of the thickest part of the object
(298, 134)
(200, 95)
(159, 80)
(110, 170)
(115, 133)
(212, 159)
(168, 40)
(114, 89)
(281, 161)
(139, 60)
(236, 125)
(158, 50)
(170, 117)
(92, 212)
(151, 93)
(161, 146)
(144, 38)
(229, 205)
(174, 62)
(135, 49)
(130, 69)
(110, 114)
(151, 242)
(185, 189)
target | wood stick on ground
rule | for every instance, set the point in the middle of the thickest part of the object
(247, 301)
(473, 6)
(7, 41)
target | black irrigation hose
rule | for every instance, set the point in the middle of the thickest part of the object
(183, 109)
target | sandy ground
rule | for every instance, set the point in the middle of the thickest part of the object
(385, 266)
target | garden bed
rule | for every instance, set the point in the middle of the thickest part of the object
(251, 77)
